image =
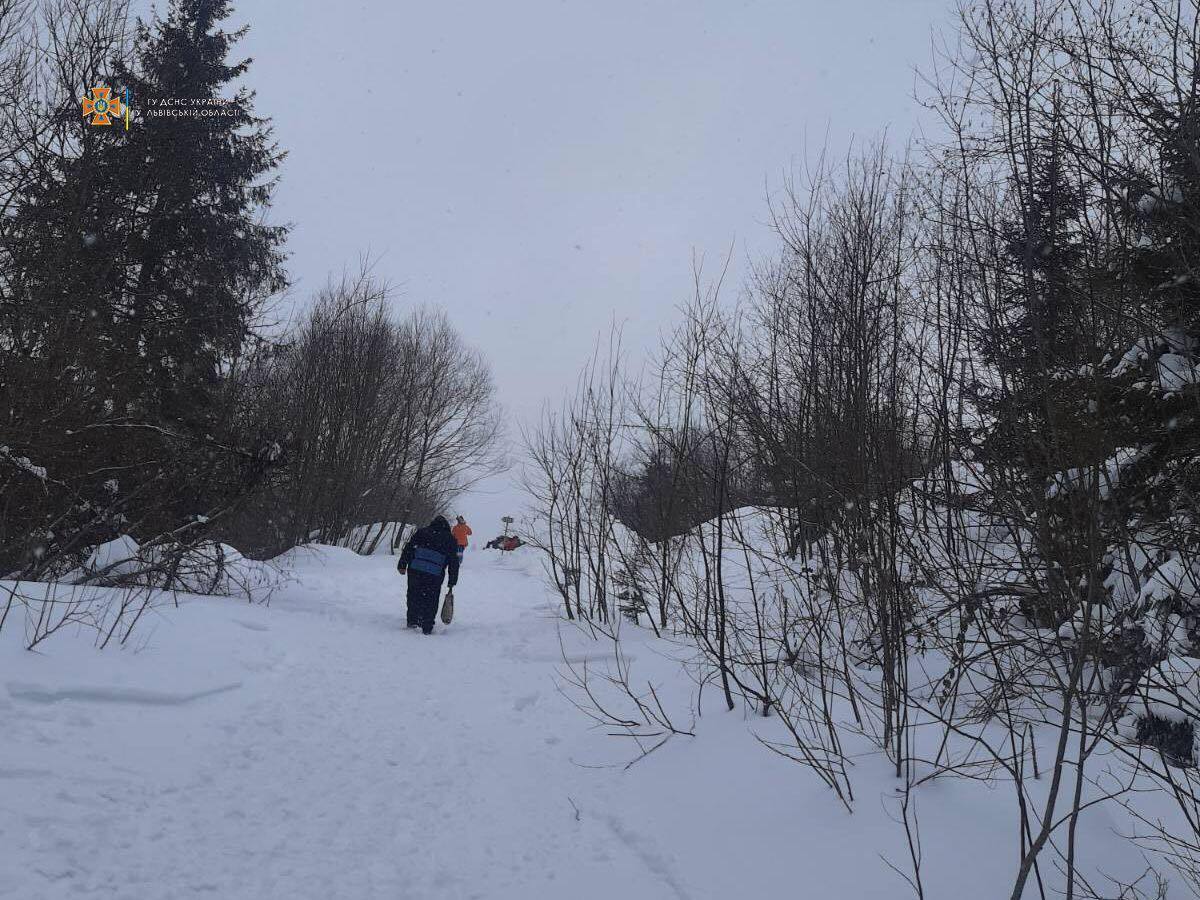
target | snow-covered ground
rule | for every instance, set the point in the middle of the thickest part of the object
(314, 748)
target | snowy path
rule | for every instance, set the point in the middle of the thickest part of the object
(317, 749)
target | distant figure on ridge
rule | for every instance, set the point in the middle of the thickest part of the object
(426, 557)
(461, 531)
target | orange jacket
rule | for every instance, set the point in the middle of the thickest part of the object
(461, 532)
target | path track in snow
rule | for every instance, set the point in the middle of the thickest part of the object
(317, 750)
(348, 757)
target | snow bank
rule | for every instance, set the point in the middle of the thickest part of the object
(207, 567)
(1171, 690)
(325, 743)
(114, 558)
(373, 538)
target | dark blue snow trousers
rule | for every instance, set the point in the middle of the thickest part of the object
(423, 593)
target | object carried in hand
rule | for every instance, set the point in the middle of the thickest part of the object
(448, 608)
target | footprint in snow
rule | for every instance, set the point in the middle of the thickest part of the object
(522, 703)
(33, 693)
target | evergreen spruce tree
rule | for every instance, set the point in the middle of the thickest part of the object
(1159, 373)
(1158, 384)
(1034, 407)
(140, 262)
(199, 260)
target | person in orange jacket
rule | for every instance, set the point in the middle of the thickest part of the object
(461, 532)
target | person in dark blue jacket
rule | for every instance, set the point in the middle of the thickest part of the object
(426, 557)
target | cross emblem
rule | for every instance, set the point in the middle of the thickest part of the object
(101, 105)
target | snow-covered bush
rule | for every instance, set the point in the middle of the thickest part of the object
(1166, 706)
(114, 559)
(205, 567)
(376, 537)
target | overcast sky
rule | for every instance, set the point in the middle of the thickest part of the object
(541, 168)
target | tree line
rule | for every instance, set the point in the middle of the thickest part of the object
(146, 387)
(937, 471)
